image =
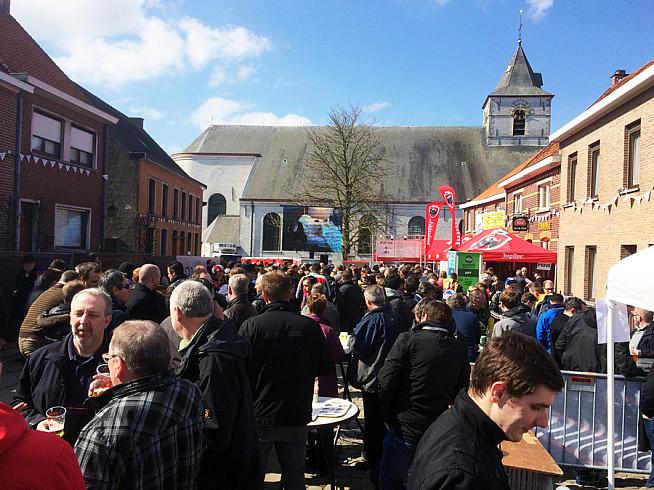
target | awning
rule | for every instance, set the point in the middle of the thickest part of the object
(498, 245)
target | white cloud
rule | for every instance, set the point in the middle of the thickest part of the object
(536, 9)
(441, 3)
(148, 113)
(220, 76)
(246, 72)
(375, 106)
(218, 110)
(217, 76)
(120, 41)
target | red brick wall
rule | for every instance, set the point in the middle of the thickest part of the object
(8, 108)
(52, 185)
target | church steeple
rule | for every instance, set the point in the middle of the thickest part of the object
(517, 112)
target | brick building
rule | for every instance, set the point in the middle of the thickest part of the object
(153, 206)
(60, 138)
(607, 155)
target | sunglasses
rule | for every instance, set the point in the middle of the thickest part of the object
(129, 285)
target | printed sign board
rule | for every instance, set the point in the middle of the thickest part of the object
(493, 220)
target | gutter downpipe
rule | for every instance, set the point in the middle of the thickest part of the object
(103, 190)
(17, 174)
(251, 228)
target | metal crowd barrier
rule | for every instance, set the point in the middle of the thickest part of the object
(576, 432)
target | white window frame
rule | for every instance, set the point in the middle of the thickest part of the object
(518, 197)
(548, 196)
(59, 226)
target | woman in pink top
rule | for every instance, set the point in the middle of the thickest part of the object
(328, 384)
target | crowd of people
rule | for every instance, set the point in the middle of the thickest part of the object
(208, 372)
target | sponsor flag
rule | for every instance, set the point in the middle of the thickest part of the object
(432, 214)
(449, 197)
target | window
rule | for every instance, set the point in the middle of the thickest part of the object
(589, 279)
(217, 206)
(46, 135)
(164, 201)
(197, 210)
(149, 240)
(174, 243)
(416, 226)
(164, 241)
(545, 243)
(632, 171)
(272, 227)
(568, 271)
(572, 177)
(190, 208)
(175, 203)
(517, 203)
(544, 197)
(183, 206)
(82, 144)
(627, 250)
(593, 169)
(71, 227)
(519, 122)
(196, 248)
(151, 195)
(182, 248)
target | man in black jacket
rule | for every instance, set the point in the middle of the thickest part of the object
(287, 352)
(349, 300)
(239, 308)
(119, 288)
(145, 303)
(213, 357)
(507, 397)
(421, 376)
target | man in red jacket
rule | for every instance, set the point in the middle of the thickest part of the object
(22, 450)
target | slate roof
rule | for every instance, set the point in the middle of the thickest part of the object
(421, 159)
(20, 53)
(519, 79)
(138, 140)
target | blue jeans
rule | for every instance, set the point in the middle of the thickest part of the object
(649, 430)
(396, 461)
(290, 444)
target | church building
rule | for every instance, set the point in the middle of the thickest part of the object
(253, 172)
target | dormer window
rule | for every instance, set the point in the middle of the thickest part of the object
(519, 122)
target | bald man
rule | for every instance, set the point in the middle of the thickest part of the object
(145, 303)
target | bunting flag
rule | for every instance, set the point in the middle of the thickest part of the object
(3, 154)
(449, 196)
(432, 214)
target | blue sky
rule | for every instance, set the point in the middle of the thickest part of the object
(183, 63)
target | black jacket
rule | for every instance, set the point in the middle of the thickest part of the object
(577, 345)
(460, 451)
(118, 315)
(646, 344)
(287, 352)
(350, 302)
(215, 362)
(48, 380)
(146, 304)
(240, 309)
(396, 301)
(421, 376)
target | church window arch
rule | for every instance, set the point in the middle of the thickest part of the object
(519, 122)
(217, 206)
(416, 226)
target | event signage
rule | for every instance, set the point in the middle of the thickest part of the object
(492, 220)
(449, 196)
(520, 222)
(468, 268)
(432, 214)
(309, 228)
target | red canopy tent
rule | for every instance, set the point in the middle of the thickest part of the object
(499, 245)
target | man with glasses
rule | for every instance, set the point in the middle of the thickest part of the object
(148, 430)
(119, 288)
(59, 374)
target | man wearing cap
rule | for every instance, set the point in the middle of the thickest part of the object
(496, 310)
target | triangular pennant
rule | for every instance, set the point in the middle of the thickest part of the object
(61, 165)
(88, 172)
(67, 167)
(22, 156)
(2, 155)
(74, 169)
(52, 163)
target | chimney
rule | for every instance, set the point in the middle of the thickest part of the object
(617, 76)
(136, 121)
(5, 6)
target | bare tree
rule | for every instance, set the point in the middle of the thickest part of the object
(345, 169)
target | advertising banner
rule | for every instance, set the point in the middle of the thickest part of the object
(311, 229)
(449, 196)
(520, 222)
(398, 250)
(490, 221)
(432, 214)
(468, 268)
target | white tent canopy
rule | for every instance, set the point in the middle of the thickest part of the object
(631, 281)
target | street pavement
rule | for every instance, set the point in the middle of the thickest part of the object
(349, 474)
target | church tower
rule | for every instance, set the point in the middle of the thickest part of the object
(518, 111)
